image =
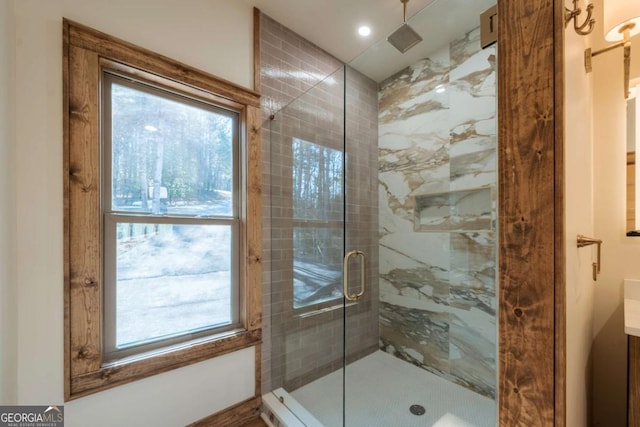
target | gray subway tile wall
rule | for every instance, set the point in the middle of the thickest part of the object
(300, 347)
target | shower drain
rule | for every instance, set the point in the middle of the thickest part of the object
(417, 409)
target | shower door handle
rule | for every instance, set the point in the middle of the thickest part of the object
(363, 269)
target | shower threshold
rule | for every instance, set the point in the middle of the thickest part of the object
(282, 410)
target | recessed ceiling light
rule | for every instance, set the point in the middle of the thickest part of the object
(364, 31)
(150, 128)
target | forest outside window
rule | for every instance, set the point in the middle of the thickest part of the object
(162, 214)
(318, 219)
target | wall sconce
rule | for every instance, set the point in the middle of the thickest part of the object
(621, 22)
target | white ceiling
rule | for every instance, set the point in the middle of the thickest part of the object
(333, 24)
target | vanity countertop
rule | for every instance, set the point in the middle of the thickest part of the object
(632, 307)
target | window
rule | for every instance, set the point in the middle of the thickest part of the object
(162, 214)
(170, 215)
(317, 224)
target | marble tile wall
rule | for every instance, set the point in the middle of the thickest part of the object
(310, 83)
(437, 136)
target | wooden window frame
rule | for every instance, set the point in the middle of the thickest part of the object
(86, 52)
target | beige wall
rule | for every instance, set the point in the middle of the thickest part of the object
(215, 35)
(8, 331)
(578, 220)
(620, 253)
(595, 152)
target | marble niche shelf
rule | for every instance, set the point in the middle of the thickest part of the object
(461, 210)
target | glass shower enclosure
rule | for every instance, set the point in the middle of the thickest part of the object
(383, 237)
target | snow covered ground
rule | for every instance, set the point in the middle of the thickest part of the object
(174, 280)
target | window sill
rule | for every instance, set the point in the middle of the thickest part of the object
(135, 368)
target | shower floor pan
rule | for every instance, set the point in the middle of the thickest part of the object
(380, 391)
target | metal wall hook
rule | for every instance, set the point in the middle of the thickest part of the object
(587, 241)
(588, 23)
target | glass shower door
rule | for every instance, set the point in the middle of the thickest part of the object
(420, 205)
(360, 285)
(307, 253)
